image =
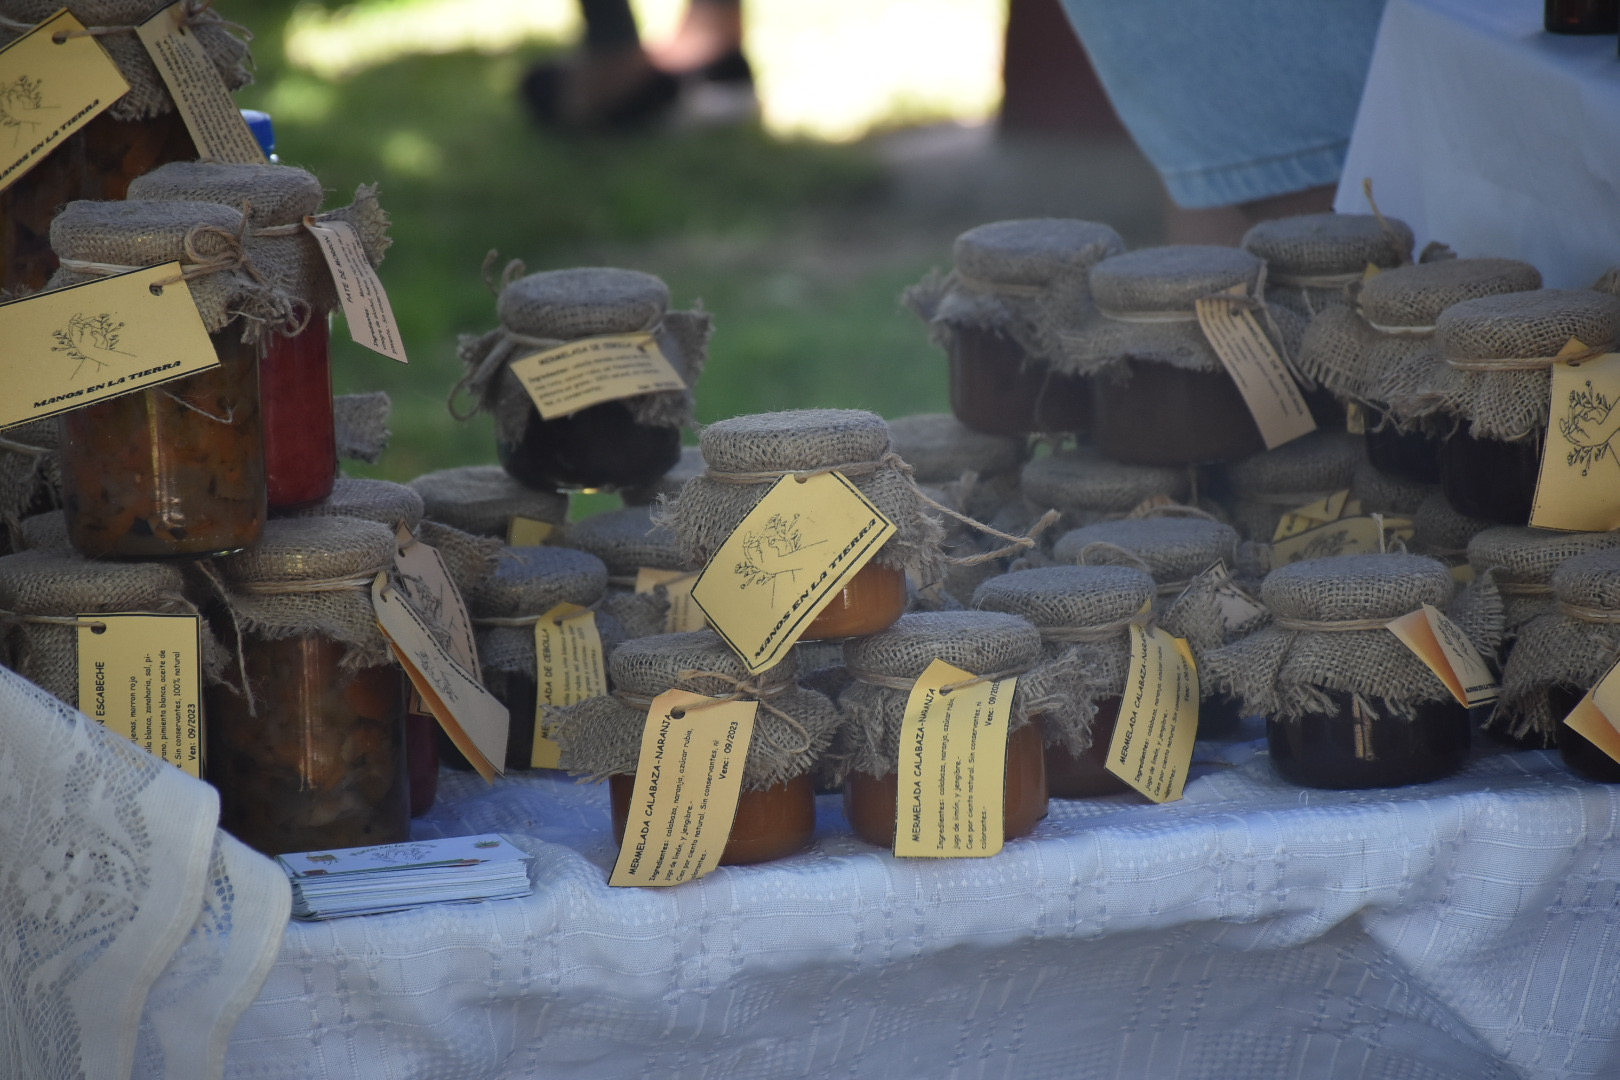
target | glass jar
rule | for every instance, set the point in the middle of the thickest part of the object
(996, 389)
(871, 600)
(602, 446)
(1349, 748)
(320, 763)
(1085, 775)
(422, 760)
(175, 470)
(1404, 455)
(1167, 415)
(870, 802)
(1490, 479)
(1580, 17)
(770, 824)
(300, 440)
(96, 162)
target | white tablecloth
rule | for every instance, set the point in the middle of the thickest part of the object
(1466, 929)
(1482, 131)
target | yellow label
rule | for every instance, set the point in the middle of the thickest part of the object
(684, 614)
(475, 722)
(1597, 716)
(786, 561)
(527, 532)
(1347, 536)
(423, 576)
(49, 90)
(1267, 386)
(366, 309)
(688, 780)
(139, 676)
(568, 669)
(1463, 573)
(952, 768)
(1312, 515)
(1355, 418)
(1447, 651)
(1579, 485)
(86, 343)
(592, 370)
(1239, 611)
(1158, 718)
(198, 89)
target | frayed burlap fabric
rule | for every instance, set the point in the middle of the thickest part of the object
(1569, 648)
(1310, 258)
(602, 736)
(1083, 614)
(48, 531)
(1024, 280)
(360, 425)
(979, 642)
(1516, 563)
(1440, 532)
(626, 541)
(483, 500)
(669, 485)
(1173, 549)
(468, 559)
(974, 473)
(1267, 485)
(44, 592)
(527, 583)
(1285, 671)
(1086, 487)
(224, 44)
(381, 501)
(30, 476)
(1380, 493)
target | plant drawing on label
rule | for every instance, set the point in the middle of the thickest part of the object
(20, 100)
(1588, 426)
(90, 340)
(776, 550)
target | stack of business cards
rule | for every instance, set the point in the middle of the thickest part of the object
(368, 880)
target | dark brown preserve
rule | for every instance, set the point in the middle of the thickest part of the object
(1080, 777)
(996, 389)
(1581, 755)
(1348, 748)
(602, 446)
(770, 824)
(1490, 479)
(1409, 455)
(1165, 415)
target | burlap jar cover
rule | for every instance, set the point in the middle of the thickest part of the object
(1514, 566)
(885, 666)
(745, 455)
(114, 22)
(1310, 258)
(1491, 374)
(1328, 634)
(1025, 280)
(381, 501)
(544, 310)
(1380, 493)
(468, 559)
(43, 593)
(48, 531)
(1568, 648)
(669, 485)
(793, 726)
(1359, 349)
(978, 473)
(527, 583)
(1086, 487)
(483, 500)
(30, 477)
(1267, 485)
(1174, 550)
(627, 541)
(1441, 533)
(1083, 615)
(360, 425)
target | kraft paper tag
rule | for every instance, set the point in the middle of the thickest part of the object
(1312, 515)
(684, 614)
(1597, 716)
(688, 780)
(1267, 386)
(140, 676)
(952, 768)
(1355, 418)
(1347, 536)
(1579, 486)
(527, 532)
(1447, 651)
(71, 347)
(423, 576)
(785, 561)
(568, 669)
(592, 370)
(470, 715)
(198, 89)
(365, 302)
(1158, 718)
(49, 90)
(1239, 611)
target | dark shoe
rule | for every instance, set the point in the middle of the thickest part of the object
(542, 92)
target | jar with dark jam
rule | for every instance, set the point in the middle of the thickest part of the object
(1347, 705)
(1413, 456)
(793, 726)
(619, 443)
(1017, 288)
(316, 758)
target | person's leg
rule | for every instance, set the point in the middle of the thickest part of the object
(610, 82)
(711, 30)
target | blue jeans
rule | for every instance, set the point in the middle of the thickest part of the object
(1233, 100)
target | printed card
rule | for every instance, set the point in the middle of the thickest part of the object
(1158, 718)
(140, 675)
(1447, 651)
(49, 89)
(592, 370)
(198, 89)
(1267, 386)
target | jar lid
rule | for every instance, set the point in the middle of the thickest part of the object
(1075, 597)
(140, 233)
(381, 501)
(1524, 555)
(533, 580)
(1349, 587)
(47, 530)
(483, 499)
(1414, 296)
(1170, 278)
(1173, 549)
(292, 550)
(1382, 493)
(796, 439)
(1523, 325)
(940, 448)
(274, 194)
(1590, 581)
(1437, 529)
(651, 665)
(1317, 463)
(981, 642)
(583, 301)
(57, 583)
(1081, 480)
(627, 540)
(670, 484)
(1328, 244)
(1033, 251)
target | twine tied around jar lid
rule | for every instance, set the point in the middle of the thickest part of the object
(742, 690)
(1585, 614)
(233, 256)
(891, 682)
(514, 621)
(1097, 547)
(1091, 635)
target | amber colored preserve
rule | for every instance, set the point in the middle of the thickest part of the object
(872, 600)
(770, 824)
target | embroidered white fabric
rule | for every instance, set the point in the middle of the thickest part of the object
(132, 932)
(1465, 929)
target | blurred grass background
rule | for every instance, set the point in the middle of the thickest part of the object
(792, 232)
